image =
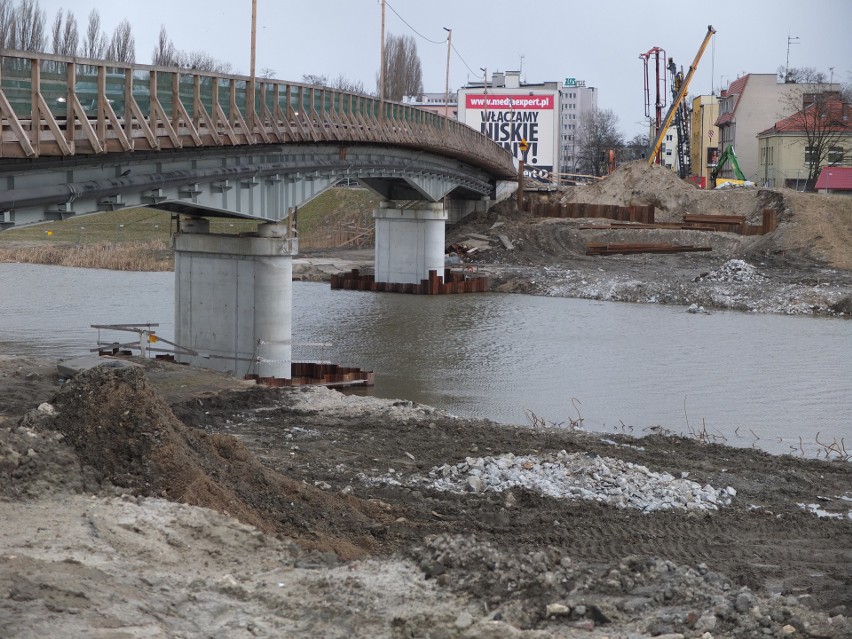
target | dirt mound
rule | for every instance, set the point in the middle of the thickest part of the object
(121, 428)
(812, 227)
(636, 183)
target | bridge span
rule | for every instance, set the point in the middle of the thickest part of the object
(85, 135)
(79, 136)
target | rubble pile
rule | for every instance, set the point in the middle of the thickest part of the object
(574, 476)
(656, 597)
(732, 271)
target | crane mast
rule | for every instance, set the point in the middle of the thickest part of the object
(681, 94)
(681, 123)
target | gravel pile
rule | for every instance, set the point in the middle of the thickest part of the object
(732, 271)
(573, 476)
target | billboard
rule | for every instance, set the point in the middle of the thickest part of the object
(510, 118)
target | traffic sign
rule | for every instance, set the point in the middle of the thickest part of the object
(523, 145)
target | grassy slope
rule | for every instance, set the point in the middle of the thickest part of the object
(332, 209)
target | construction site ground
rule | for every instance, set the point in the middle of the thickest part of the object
(156, 500)
(803, 267)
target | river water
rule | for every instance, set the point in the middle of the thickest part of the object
(745, 379)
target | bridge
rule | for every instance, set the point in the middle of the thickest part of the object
(79, 136)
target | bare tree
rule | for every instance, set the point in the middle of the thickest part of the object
(95, 43)
(801, 75)
(6, 17)
(164, 53)
(122, 45)
(25, 29)
(267, 73)
(66, 38)
(342, 83)
(315, 79)
(403, 72)
(597, 135)
(821, 116)
(202, 61)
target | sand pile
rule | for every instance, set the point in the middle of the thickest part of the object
(636, 183)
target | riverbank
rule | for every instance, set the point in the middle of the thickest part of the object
(159, 500)
(803, 267)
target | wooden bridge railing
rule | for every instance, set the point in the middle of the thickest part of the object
(57, 106)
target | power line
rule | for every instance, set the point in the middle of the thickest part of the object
(463, 60)
(387, 4)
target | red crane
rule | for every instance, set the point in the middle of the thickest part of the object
(659, 56)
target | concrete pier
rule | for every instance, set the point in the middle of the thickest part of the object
(234, 299)
(409, 241)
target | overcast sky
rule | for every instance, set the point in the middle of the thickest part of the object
(598, 41)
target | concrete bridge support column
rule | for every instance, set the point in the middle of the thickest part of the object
(409, 242)
(234, 299)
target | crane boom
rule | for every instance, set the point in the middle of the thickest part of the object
(680, 96)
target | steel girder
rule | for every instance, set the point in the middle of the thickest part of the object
(263, 183)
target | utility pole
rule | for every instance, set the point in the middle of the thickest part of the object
(447, 82)
(485, 91)
(250, 105)
(382, 69)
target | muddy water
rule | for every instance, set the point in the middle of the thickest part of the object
(747, 380)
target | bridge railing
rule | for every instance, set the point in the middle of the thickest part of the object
(58, 106)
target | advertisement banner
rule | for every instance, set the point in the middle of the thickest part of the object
(509, 119)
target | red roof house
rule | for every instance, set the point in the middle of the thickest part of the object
(835, 179)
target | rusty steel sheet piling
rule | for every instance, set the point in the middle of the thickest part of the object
(451, 282)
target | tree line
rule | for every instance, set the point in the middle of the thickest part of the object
(24, 27)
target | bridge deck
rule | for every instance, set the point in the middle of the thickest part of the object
(56, 106)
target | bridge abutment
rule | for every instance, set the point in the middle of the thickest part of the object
(409, 241)
(234, 299)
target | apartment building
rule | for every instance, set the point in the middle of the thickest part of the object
(576, 100)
